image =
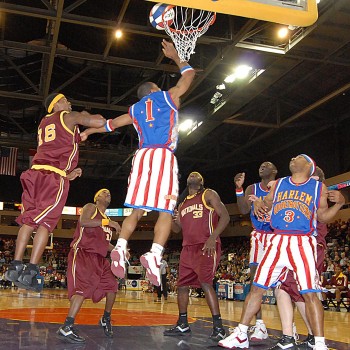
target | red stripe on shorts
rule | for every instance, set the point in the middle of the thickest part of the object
(139, 175)
(306, 263)
(160, 177)
(170, 190)
(258, 271)
(145, 198)
(273, 265)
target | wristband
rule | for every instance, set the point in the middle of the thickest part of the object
(108, 125)
(105, 222)
(185, 69)
(239, 192)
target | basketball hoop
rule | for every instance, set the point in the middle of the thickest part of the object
(185, 27)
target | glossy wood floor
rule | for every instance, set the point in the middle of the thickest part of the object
(30, 320)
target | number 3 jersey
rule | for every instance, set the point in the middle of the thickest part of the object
(198, 220)
(57, 144)
(93, 239)
(294, 207)
(155, 118)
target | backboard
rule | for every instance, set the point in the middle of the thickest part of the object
(301, 13)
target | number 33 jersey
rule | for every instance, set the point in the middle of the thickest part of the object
(155, 118)
(57, 144)
(198, 220)
(294, 206)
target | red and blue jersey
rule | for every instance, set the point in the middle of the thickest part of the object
(294, 207)
(155, 118)
(260, 224)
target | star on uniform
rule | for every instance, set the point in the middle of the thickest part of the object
(150, 125)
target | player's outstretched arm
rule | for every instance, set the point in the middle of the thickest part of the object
(187, 72)
(109, 126)
(325, 214)
(84, 118)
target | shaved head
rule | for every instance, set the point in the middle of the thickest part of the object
(145, 89)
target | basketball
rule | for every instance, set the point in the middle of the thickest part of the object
(156, 16)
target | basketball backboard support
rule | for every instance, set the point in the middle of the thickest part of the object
(301, 13)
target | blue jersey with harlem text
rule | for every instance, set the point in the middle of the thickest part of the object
(155, 118)
(260, 224)
(294, 206)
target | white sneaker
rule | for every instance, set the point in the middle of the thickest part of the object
(237, 340)
(118, 262)
(320, 346)
(151, 262)
(259, 332)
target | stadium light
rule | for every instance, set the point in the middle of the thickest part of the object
(186, 125)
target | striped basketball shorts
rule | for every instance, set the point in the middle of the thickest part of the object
(258, 241)
(153, 181)
(296, 253)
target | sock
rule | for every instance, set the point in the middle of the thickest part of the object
(319, 340)
(17, 262)
(106, 314)
(121, 243)
(182, 318)
(243, 328)
(69, 321)
(259, 321)
(157, 248)
(217, 321)
(338, 303)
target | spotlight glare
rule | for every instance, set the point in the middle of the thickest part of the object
(186, 125)
(282, 32)
(230, 78)
(242, 71)
(118, 34)
(221, 87)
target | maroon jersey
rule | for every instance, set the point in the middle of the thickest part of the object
(57, 144)
(197, 218)
(93, 239)
(322, 232)
(340, 281)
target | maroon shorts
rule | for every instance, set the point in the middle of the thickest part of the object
(196, 268)
(89, 275)
(289, 285)
(44, 196)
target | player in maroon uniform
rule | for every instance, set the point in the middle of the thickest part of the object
(337, 285)
(46, 184)
(202, 217)
(89, 273)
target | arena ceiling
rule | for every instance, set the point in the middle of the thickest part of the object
(296, 100)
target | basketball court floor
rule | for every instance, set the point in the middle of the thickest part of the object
(30, 320)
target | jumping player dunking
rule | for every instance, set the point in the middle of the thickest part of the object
(46, 184)
(153, 181)
(295, 203)
(89, 272)
(202, 217)
(262, 228)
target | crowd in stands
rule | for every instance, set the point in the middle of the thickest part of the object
(234, 265)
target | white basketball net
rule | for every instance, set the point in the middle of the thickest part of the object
(185, 27)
